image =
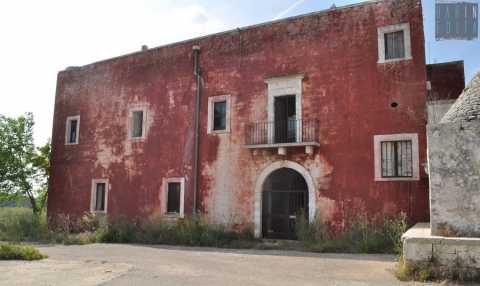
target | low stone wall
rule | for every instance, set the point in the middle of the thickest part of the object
(420, 246)
(454, 167)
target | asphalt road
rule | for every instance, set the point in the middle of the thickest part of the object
(110, 264)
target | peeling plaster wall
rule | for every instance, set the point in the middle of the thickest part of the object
(343, 87)
(454, 165)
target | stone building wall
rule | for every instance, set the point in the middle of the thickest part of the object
(454, 166)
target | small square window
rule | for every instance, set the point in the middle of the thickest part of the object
(137, 124)
(99, 196)
(394, 45)
(220, 115)
(72, 130)
(397, 159)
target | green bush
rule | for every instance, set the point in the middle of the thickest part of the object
(120, 230)
(19, 252)
(20, 224)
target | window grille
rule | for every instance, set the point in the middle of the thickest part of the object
(397, 159)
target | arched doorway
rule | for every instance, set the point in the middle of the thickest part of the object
(284, 201)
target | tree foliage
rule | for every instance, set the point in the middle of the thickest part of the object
(23, 167)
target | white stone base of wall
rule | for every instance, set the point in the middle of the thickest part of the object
(420, 246)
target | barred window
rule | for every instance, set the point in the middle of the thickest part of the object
(396, 159)
(394, 45)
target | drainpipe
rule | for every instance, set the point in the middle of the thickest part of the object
(198, 77)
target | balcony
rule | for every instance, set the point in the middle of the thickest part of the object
(283, 134)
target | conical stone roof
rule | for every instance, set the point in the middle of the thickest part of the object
(467, 106)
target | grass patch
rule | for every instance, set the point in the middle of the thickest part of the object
(188, 231)
(361, 235)
(20, 224)
(19, 252)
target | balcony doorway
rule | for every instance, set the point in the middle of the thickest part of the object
(285, 119)
(284, 202)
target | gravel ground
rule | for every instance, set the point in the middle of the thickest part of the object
(116, 264)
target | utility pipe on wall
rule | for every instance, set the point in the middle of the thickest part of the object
(198, 77)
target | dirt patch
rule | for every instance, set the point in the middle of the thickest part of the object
(54, 272)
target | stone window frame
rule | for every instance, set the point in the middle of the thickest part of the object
(131, 110)
(166, 181)
(378, 139)
(93, 195)
(284, 86)
(67, 129)
(211, 102)
(381, 31)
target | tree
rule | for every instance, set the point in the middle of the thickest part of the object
(23, 168)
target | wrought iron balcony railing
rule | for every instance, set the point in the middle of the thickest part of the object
(286, 132)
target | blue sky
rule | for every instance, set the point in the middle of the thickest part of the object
(40, 38)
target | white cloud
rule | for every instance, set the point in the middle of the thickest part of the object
(289, 9)
(39, 38)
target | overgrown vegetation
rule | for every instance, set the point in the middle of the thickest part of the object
(361, 235)
(434, 271)
(19, 252)
(21, 224)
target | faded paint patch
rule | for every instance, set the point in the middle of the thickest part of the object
(224, 191)
(320, 170)
(106, 156)
(325, 209)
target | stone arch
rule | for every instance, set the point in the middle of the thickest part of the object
(257, 213)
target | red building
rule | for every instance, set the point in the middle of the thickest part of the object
(324, 113)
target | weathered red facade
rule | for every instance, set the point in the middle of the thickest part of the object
(343, 86)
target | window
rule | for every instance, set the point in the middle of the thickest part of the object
(284, 104)
(396, 157)
(394, 43)
(173, 199)
(99, 196)
(174, 189)
(137, 122)
(72, 130)
(219, 114)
